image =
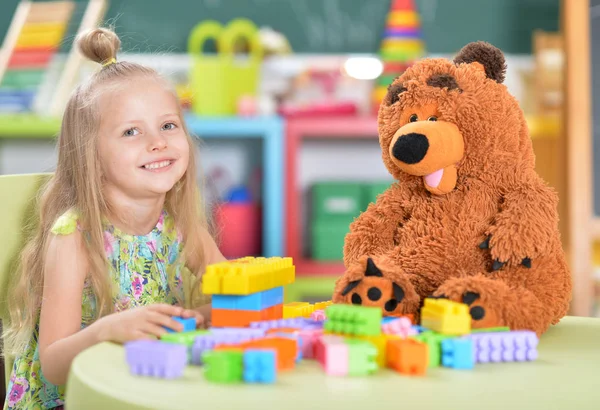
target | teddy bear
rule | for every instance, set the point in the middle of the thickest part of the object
(467, 217)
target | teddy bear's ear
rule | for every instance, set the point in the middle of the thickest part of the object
(490, 57)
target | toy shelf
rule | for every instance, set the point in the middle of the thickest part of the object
(270, 130)
(28, 126)
(298, 129)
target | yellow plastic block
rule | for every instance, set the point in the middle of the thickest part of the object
(247, 275)
(323, 305)
(297, 309)
(446, 317)
(403, 19)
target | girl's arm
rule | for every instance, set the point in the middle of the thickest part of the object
(60, 319)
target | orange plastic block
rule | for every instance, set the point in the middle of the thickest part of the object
(243, 318)
(380, 342)
(407, 356)
(286, 349)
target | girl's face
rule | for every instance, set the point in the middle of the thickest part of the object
(142, 146)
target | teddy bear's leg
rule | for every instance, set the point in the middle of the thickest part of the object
(517, 297)
(375, 281)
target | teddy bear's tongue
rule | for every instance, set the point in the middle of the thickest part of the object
(433, 180)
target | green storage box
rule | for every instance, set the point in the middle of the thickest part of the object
(337, 200)
(327, 239)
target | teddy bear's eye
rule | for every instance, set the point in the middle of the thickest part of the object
(413, 118)
(432, 118)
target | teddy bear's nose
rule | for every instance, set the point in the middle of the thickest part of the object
(410, 148)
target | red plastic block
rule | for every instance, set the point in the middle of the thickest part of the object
(243, 318)
(407, 356)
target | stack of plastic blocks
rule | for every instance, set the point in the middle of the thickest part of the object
(156, 359)
(247, 290)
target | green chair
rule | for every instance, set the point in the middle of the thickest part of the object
(17, 209)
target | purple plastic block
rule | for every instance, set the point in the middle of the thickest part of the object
(514, 346)
(298, 322)
(222, 336)
(156, 359)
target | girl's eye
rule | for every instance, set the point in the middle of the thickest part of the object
(169, 126)
(413, 118)
(432, 118)
(131, 132)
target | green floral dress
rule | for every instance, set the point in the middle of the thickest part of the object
(142, 268)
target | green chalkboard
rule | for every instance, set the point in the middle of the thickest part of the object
(328, 26)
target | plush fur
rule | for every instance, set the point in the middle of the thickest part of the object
(469, 218)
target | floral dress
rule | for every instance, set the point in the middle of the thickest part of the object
(144, 269)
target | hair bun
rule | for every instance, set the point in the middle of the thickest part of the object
(99, 45)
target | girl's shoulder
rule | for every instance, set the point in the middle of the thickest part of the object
(67, 223)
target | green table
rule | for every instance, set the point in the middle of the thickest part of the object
(566, 376)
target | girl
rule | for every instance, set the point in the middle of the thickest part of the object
(122, 235)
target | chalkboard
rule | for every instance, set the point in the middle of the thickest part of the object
(328, 26)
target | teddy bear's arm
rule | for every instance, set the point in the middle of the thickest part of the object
(373, 232)
(526, 225)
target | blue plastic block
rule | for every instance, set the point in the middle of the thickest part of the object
(458, 353)
(189, 324)
(388, 319)
(255, 301)
(419, 328)
(260, 365)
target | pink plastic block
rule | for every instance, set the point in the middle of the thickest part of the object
(337, 359)
(309, 338)
(399, 327)
(318, 315)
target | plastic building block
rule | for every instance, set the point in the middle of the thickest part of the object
(446, 317)
(353, 320)
(338, 359)
(380, 343)
(323, 305)
(156, 359)
(401, 327)
(297, 309)
(407, 356)
(223, 366)
(458, 353)
(286, 348)
(491, 329)
(515, 346)
(318, 315)
(241, 332)
(183, 338)
(255, 301)
(297, 322)
(247, 275)
(309, 338)
(243, 318)
(420, 329)
(362, 357)
(189, 324)
(292, 335)
(434, 346)
(260, 365)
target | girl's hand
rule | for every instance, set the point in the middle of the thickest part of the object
(200, 323)
(144, 322)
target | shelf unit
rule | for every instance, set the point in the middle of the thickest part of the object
(298, 129)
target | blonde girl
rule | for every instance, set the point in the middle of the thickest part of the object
(122, 233)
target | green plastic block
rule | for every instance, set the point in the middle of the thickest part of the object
(362, 357)
(433, 341)
(336, 200)
(327, 239)
(353, 320)
(491, 330)
(184, 338)
(223, 366)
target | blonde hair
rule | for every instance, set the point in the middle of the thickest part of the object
(77, 184)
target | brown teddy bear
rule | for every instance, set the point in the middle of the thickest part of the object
(468, 219)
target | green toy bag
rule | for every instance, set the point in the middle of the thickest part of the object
(218, 80)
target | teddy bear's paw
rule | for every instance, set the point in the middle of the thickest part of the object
(485, 307)
(379, 285)
(497, 264)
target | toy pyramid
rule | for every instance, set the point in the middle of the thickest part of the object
(402, 44)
